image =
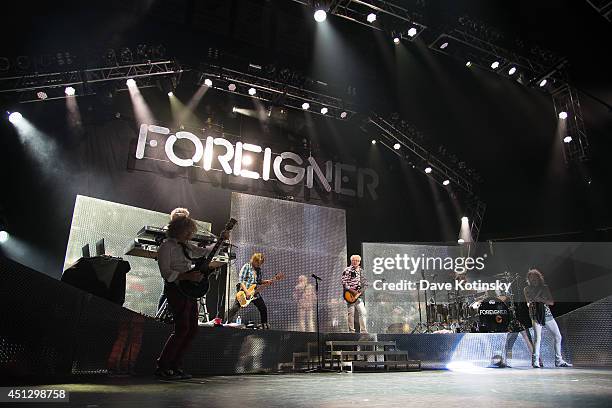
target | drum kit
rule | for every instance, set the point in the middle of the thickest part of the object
(462, 312)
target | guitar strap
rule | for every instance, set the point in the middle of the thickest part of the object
(186, 251)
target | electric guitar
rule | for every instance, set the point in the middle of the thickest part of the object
(196, 290)
(246, 298)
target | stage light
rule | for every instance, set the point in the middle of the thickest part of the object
(234, 109)
(567, 139)
(446, 182)
(461, 241)
(231, 87)
(563, 115)
(371, 18)
(41, 95)
(468, 64)
(324, 110)
(170, 93)
(208, 82)
(374, 141)
(396, 40)
(69, 91)
(130, 83)
(397, 146)
(4, 236)
(320, 16)
(305, 106)
(252, 91)
(464, 219)
(512, 71)
(412, 32)
(495, 65)
(343, 115)
(543, 82)
(444, 45)
(427, 169)
(15, 117)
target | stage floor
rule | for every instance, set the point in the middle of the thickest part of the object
(467, 387)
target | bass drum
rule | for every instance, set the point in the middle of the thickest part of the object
(493, 316)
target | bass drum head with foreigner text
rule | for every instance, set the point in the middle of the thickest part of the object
(493, 316)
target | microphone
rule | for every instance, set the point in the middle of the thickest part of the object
(316, 277)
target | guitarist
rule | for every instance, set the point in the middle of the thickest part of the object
(251, 274)
(175, 257)
(354, 281)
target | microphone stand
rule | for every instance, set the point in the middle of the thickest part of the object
(320, 368)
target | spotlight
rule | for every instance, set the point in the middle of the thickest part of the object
(468, 64)
(130, 83)
(231, 87)
(464, 219)
(4, 236)
(443, 46)
(373, 141)
(567, 139)
(42, 95)
(543, 82)
(427, 169)
(70, 91)
(371, 18)
(446, 182)
(208, 82)
(461, 241)
(234, 109)
(170, 93)
(252, 91)
(396, 40)
(397, 146)
(512, 71)
(305, 106)
(495, 65)
(15, 117)
(320, 16)
(324, 110)
(412, 32)
(563, 115)
(343, 115)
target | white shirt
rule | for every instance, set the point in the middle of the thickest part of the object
(171, 258)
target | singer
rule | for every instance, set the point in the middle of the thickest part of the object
(354, 281)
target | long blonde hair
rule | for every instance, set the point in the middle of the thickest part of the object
(538, 274)
(258, 257)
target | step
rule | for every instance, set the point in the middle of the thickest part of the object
(359, 343)
(410, 365)
(368, 353)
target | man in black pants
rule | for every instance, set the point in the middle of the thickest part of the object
(250, 274)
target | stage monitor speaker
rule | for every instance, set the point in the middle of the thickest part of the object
(102, 276)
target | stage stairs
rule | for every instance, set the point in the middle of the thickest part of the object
(356, 355)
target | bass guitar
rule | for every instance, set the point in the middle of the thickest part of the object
(196, 290)
(245, 298)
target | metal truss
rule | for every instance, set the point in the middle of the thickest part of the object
(576, 148)
(603, 7)
(28, 85)
(440, 171)
(476, 214)
(391, 18)
(275, 92)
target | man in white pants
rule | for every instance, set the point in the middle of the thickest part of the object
(354, 282)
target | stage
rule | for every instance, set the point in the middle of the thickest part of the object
(475, 388)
